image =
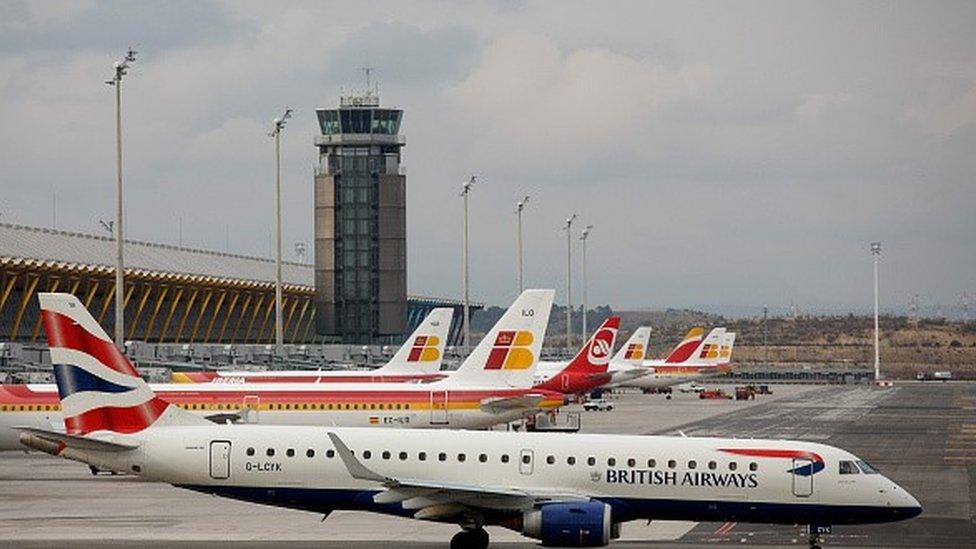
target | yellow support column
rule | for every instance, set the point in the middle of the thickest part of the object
(301, 318)
(109, 296)
(92, 290)
(169, 315)
(186, 313)
(203, 311)
(156, 308)
(6, 291)
(291, 313)
(134, 321)
(213, 317)
(254, 317)
(230, 312)
(241, 316)
(308, 327)
(24, 300)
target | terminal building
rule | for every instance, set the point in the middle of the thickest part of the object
(172, 294)
(360, 222)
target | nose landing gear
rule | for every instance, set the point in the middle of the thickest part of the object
(470, 539)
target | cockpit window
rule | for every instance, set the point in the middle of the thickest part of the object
(848, 468)
(866, 468)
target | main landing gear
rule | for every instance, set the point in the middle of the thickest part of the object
(470, 539)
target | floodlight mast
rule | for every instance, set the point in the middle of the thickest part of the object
(465, 190)
(279, 124)
(121, 69)
(585, 234)
(569, 281)
(876, 252)
(519, 206)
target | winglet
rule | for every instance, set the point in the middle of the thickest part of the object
(355, 467)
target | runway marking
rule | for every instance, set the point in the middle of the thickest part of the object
(725, 528)
(960, 458)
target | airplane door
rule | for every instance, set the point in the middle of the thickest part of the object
(251, 405)
(525, 462)
(220, 459)
(802, 484)
(438, 407)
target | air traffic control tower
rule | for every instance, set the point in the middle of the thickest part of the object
(360, 222)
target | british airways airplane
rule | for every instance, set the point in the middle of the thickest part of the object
(418, 359)
(567, 490)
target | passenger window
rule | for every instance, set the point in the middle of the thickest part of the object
(386, 454)
(733, 466)
(310, 453)
(570, 460)
(422, 456)
(330, 454)
(270, 452)
(504, 458)
(591, 461)
(403, 456)
(483, 458)
(290, 452)
(461, 458)
(250, 451)
(848, 468)
(526, 459)
(367, 454)
(631, 462)
(651, 463)
(672, 464)
(442, 457)
(611, 462)
(867, 468)
(692, 464)
(550, 460)
(753, 466)
(712, 465)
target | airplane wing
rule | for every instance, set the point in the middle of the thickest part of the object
(498, 405)
(435, 500)
(631, 374)
(79, 442)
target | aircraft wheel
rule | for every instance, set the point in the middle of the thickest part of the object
(470, 539)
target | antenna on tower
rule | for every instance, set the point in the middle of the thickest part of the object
(913, 307)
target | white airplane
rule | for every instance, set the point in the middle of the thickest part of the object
(493, 386)
(418, 359)
(692, 359)
(568, 490)
(624, 366)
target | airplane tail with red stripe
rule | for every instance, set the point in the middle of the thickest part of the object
(686, 349)
(594, 357)
(99, 388)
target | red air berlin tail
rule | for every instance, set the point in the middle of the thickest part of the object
(588, 369)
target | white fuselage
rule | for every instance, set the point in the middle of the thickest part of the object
(640, 477)
(393, 405)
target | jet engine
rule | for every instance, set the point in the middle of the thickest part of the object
(571, 524)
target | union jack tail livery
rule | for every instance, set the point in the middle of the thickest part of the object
(635, 349)
(99, 388)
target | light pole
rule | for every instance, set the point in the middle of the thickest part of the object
(519, 206)
(465, 190)
(765, 347)
(121, 69)
(279, 123)
(583, 237)
(876, 252)
(569, 280)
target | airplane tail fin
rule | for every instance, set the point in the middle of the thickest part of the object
(710, 349)
(508, 354)
(594, 356)
(423, 351)
(635, 349)
(725, 353)
(100, 390)
(686, 349)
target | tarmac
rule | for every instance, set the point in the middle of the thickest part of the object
(923, 436)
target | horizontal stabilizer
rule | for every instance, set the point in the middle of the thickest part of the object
(499, 405)
(76, 441)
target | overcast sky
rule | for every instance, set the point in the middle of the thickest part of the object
(727, 152)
